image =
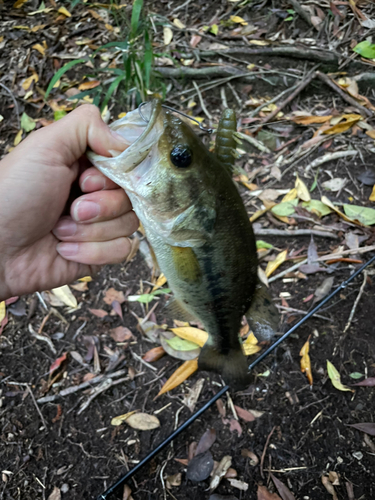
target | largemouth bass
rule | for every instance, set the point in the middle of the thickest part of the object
(197, 225)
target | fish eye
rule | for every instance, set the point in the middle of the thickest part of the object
(181, 156)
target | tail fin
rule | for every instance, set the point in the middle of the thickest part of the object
(232, 366)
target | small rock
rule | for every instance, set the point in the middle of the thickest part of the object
(358, 455)
(64, 488)
(200, 467)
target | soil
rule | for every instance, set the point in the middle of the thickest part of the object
(83, 454)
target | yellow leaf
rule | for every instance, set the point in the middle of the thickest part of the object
(180, 375)
(160, 282)
(19, 3)
(26, 84)
(214, 29)
(258, 214)
(302, 191)
(65, 295)
(192, 334)
(258, 42)
(306, 362)
(238, 20)
(250, 345)
(121, 115)
(178, 24)
(18, 138)
(121, 418)
(371, 133)
(335, 378)
(308, 120)
(167, 35)
(88, 85)
(343, 126)
(2, 311)
(86, 279)
(21, 27)
(39, 48)
(372, 195)
(109, 27)
(250, 66)
(292, 195)
(64, 11)
(38, 27)
(329, 204)
(274, 264)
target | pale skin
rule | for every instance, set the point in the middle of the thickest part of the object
(48, 239)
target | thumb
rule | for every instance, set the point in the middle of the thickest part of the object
(81, 129)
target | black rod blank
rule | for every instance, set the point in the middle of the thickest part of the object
(122, 480)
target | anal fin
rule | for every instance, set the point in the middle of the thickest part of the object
(263, 316)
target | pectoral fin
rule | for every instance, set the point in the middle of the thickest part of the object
(263, 316)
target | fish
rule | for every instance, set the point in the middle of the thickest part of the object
(197, 225)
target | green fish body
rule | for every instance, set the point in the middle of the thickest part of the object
(197, 225)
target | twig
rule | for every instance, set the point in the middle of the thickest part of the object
(14, 102)
(352, 312)
(301, 11)
(254, 142)
(45, 338)
(271, 101)
(36, 406)
(291, 269)
(329, 157)
(295, 232)
(179, 7)
(138, 358)
(264, 451)
(41, 300)
(291, 97)
(346, 97)
(299, 311)
(205, 111)
(346, 252)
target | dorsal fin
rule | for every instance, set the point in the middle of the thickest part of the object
(225, 143)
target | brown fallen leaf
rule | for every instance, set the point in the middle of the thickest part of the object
(88, 85)
(264, 494)
(143, 421)
(235, 426)
(308, 120)
(56, 494)
(121, 334)
(220, 471)
(367, 427)
(305, 361)
(100, 313)
(284, 491)
(116, 306)
(246, 415)
(179, 376)
(329, 487)
(368, 382)
(191, 398)
(80, 287)
(174, 480)
(254, 460)
(240, 485)
(153, 354)
(206, 441)
(126, 493)
(111, 294)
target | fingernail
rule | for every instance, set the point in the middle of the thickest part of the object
(67, 249)
(119, 138)
(86, 210)
(65, 227)
(93, 183)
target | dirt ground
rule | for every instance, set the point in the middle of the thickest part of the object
(302, 432)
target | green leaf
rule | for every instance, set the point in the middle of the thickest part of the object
(57, 115)
(363, 214)
(27, 123)
(148, 59)
(145, 298)
(181, 344)
(263, 244)
(136, 12)
(214, 29)
(285, 208)
(60, 72)
(289, 18)
(112, 89)
(335, 377)
(160, 291)
(365, 49)
(316, 206)
(290, 11)
(356, 375)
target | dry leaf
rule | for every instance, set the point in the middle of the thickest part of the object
(366, 427)
(190, 400)
(121, 334)
(26, 84)
(153, 354)
(180, 375)
(220, 471)
(264, 494)
(2, 310)
(167, 35)
(178, 24)
(305, 361)
(143, 422)
(64, 11)
(126, 493)
(291, 195)
(329, 487)
(192, 334)
(161, 281)
(308, 120)
(335, 378)
(245, 415)
(174, 480)
(372, 195)
(240, 485)
(250, 345)
(343, 126)
(56, 494)
(238, 20)
(64, 294)
(254, 460)
(19, 3)
(87, 279)
(80, 287)
(284, 491)
(88, 85)
(302, 191)
(39, 48)
(370, 133)
(100, 313)
(329, 204)
(195, 39)
(274, 264)
(206, 441)
(111, 294)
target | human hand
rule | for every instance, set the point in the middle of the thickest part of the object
(41, 247)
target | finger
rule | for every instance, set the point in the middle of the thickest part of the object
(100, 206)
(93, 180)
(96, 253)
(68, 230)
(80, 129)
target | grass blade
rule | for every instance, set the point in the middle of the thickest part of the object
(136, 12)
(56, 77)
(111, 89)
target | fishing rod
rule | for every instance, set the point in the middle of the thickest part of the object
(124, 479)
